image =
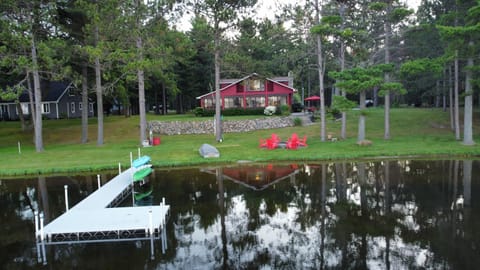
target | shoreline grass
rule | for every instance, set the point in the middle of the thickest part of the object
(416, 133)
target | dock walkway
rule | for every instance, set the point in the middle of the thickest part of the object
(95, 220)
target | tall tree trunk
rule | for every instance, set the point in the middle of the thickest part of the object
(387, 29)
(164, 99)
(85, 107)
(444, 92)
(218, 119)
(455, 93)
(20, 115)
(468, 107)
(343, 131)
(30, 97)
(438, 95)
(450, 97)
(38, 100)
(99, 92)
(140, 76)
(141, 94)
(362, 118)
(320, 76)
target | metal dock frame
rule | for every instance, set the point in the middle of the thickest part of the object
(93, 220)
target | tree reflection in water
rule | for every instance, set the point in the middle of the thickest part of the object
(364, 215)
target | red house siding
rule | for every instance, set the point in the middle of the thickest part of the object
(250, 92)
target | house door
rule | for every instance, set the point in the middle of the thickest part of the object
(4, 112)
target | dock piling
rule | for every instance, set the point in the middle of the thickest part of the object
(66, 197)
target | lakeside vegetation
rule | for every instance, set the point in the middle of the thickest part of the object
(415, 133)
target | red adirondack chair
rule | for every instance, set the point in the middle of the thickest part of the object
(303, 142)
(263, 143)
(271, 144)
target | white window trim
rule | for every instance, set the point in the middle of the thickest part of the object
(45, 105)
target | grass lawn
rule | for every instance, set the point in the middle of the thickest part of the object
(414, 132)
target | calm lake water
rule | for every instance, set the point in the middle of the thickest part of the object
(366, 215)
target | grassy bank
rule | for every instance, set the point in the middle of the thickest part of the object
(414, 132)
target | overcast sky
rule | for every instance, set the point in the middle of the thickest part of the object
(267, 8)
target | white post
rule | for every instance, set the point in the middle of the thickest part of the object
(36, 225)
(139, 152)
(131, 159)
(42, 237)
(151, 233)
(39, 252)
(19, 148)
(98, 181)
(119, 168)
(163, 232)
(163, 201)
(150, 221)
(66, 197)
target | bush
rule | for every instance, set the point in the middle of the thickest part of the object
(285, 109)
(297, 122)
(199, 111)
(270, 110)
(297, 107)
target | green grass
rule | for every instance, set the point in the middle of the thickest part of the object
(414, 132)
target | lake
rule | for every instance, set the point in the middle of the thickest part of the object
(397, 214)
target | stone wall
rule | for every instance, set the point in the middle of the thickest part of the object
(207, 126)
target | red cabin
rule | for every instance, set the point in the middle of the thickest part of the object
(252, 91)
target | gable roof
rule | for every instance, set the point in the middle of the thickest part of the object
(51, 91)
(235, 81)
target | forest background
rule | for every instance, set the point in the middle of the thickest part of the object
(132, 55)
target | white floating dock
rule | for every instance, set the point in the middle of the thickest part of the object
(95, 220)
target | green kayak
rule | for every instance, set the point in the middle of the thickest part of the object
(140, 196)
(139, 175)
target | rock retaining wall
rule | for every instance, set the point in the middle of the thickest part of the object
(207, 126)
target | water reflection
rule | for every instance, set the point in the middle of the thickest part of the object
(380, 215)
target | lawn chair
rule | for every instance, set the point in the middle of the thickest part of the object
(263, 143)
(303, 142)
(272, 144)
(275, 138)
(293, 142)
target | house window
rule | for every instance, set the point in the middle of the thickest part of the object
(72, 107)
(277, 100)
(45, 108)
(80, 106)
(256, 85)
(255, 102)
(233, 102)
(209, 103)
(25, 108)
(90, 106)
